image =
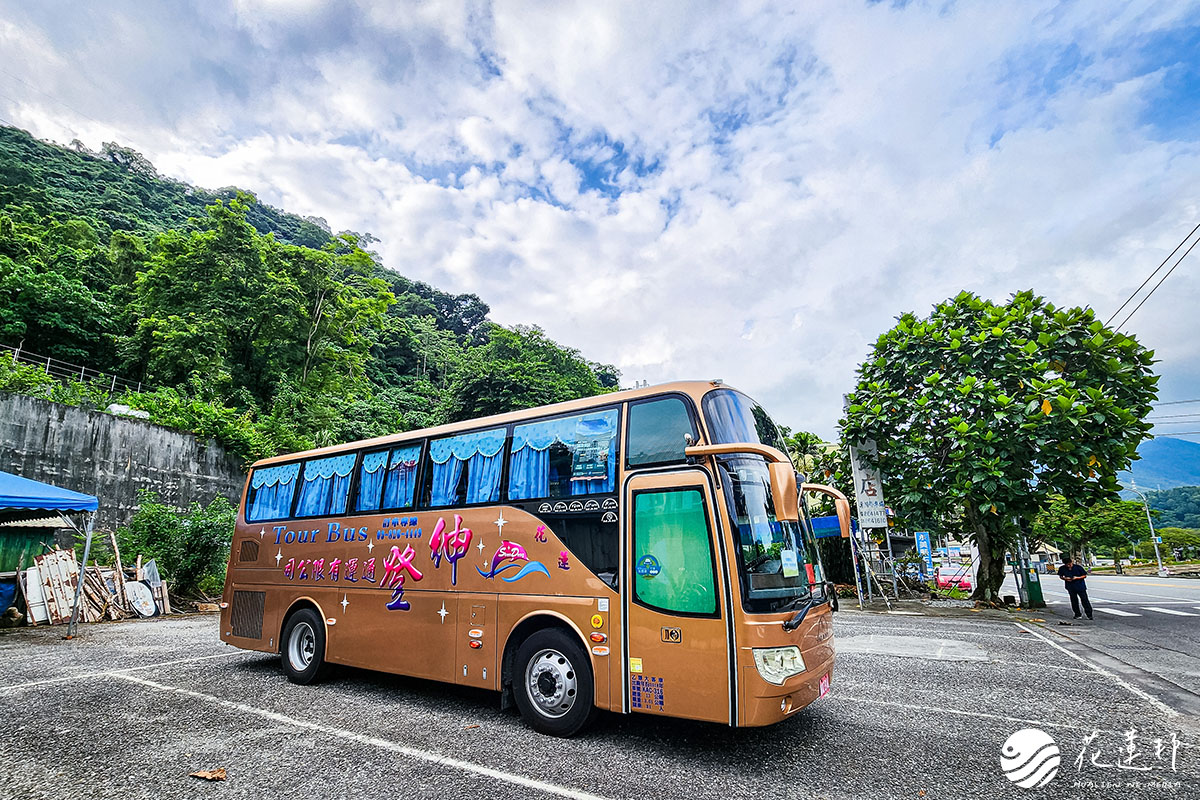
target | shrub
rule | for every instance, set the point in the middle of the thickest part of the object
(191, 547)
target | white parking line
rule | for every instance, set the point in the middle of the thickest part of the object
(1174, 611)
(1151, 699)
(383, 744)
(113, 672)
(1117, 612)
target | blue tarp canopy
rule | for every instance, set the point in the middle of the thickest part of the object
(21, 498)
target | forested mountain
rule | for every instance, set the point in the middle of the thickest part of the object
(253, 325)
(1177, 508)
(117, 189)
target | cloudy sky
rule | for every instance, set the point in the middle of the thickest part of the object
(746, 191)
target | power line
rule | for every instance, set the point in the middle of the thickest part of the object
(1175, 416)
(1175, 402)
(1192, 421)
(1177, 433)
(51, 97)
(1160, 283)
(1149, 277)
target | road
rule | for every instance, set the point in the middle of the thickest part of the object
(1147, 624)
(129, 709)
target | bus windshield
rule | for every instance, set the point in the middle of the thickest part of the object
(734, 417)
(777, 560)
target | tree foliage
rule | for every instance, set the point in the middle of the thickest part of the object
(190, 545)
(1109, 524)
(1180, 543)
(983, 411)
(256, 328)
(1178, 507)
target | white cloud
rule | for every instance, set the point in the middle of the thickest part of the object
(749, 192)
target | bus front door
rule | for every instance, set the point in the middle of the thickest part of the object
(677, 634)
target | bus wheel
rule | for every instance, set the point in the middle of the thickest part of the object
(303, 651)
(554, 687)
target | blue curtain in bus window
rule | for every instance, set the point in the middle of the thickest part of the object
(272, 491)
(401, 477)
(448, 457)
(370, 481)
(529, 472)
(324, 485)
(483, 478)
(591, 439)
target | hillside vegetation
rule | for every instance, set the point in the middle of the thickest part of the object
(1177, 508)
(252, 325)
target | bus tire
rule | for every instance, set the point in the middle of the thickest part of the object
(302, 648)
(553, 683)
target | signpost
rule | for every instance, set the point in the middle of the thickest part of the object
(923, 547)
(868, 489)
(872, 511)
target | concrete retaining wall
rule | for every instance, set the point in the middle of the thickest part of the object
(111, 457)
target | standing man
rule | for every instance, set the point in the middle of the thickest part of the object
(1073, 575)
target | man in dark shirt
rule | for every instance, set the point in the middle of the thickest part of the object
(1073, 575)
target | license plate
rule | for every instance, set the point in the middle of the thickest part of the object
(824, 685)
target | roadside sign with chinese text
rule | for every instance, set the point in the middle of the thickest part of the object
(868, 489)
(925, 550)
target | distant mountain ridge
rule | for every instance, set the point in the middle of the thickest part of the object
(121, 190)
(1164, 464)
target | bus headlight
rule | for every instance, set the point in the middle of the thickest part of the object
(777, 664)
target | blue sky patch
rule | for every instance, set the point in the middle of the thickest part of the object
(1173, 109)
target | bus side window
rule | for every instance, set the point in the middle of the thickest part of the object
(387, 479)
(656, 431)
(370, 480)
(465, 469)
(595, 543)
(325, 485)
(271, 493)
(564, 457)
(400, 486)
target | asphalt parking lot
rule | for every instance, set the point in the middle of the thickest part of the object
(129, 709)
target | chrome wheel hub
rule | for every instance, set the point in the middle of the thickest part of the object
(550, 683)
(302, 646)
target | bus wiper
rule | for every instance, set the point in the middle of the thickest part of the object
(795, 601)
(795, 621)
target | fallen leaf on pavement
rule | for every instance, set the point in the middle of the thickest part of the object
(217, 774)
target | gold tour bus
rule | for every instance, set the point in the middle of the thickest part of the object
(643, 551)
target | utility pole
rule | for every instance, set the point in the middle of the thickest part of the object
(1153, 539)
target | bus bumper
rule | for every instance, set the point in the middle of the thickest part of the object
(763, 703)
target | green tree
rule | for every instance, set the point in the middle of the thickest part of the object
(1178, 507)
(190, 546)
(806, 449)
(518, 368)
(986, 410)
(1110, 524)
(1180, 542)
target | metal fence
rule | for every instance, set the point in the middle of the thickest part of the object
(64, 370)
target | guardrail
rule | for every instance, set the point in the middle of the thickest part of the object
(64, 370)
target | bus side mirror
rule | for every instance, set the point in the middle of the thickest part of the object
(784, 493)
(839, 502)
